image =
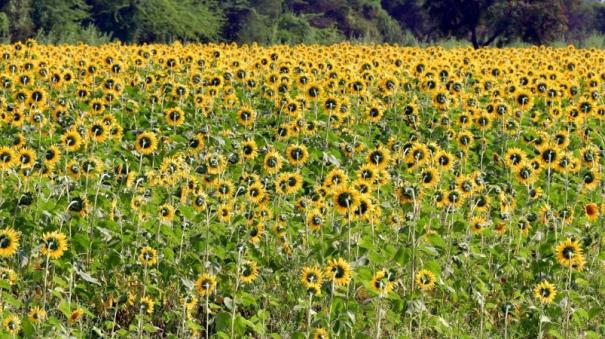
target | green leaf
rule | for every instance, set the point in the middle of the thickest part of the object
(223, 322)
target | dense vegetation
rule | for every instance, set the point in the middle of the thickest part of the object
(301, 191)
(481, 22)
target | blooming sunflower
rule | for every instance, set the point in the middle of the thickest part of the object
(246, 116)
(338, 271)
(311, 275)
(146, 143)
(592, 211)
(36, 315)
(12, 324)
(166, 213)
(425, 280)
(205, 284)
(8, 275)
(71, 141)
(148, 256)
(379, 157)
(174, 116)
(146, 304)
(545, 292)
(568, 252)
(248, 271)
(320, 333)
(345, 199)
(7, 158)
(380, 283)
(54, 244)
(9, 242)
(297, 154)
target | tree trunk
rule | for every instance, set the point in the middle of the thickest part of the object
(474, 38)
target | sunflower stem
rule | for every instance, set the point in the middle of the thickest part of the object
(378, 315)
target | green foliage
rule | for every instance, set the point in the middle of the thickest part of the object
(89, 35)
(20, 22)
(4, 26)
(406, 22)
(157, 20)
(61, 17)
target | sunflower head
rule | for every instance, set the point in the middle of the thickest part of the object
(545, 292)
(9, 242)
(425, 280)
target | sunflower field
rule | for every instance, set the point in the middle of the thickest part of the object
(344, 191)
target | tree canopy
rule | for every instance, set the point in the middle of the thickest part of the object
(482, 22)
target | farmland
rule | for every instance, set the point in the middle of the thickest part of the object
(306, 191)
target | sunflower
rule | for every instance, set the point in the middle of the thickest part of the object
(8, 275)
(246, 116)
(545, 292)
(197, 142)
(320, 333)
(345, 199)
(200, 202)
(224, 189)
(7, 158)
(381, 283)
(174, 116)
(256, 192)
(549, 154)
(297, 154)
(148, 256)
(379, 157)
(429, 177)
(71, 141)
(224, 212)
(52, 155)
(248, 271)
(568, 252)
(478, 224)
(272, 162)
(215, 163)
(465, 139)
(592, 211)
(311, 275)
(336, 177)
(525, 173)
(256, 233)
(338, 271)
(12, 324)
(444, 160)
(146, 143)
(524, 99)
(146, 304)
(36, 315)
(249, 149)
(314, 219)
(205, 284)
(166, 213)
(514, 157)
(54, 244)
(98, 131)
(292, 182)
(9, 242)
(591, 179)
(190, 303)
(425, 280)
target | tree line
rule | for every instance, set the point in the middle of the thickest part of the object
(481, 22)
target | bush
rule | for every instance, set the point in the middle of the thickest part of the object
(89, 35)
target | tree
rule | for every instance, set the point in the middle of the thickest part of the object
(481, 21)
(21, 25)
(60, 17)
(484, 21)
(157, 20)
